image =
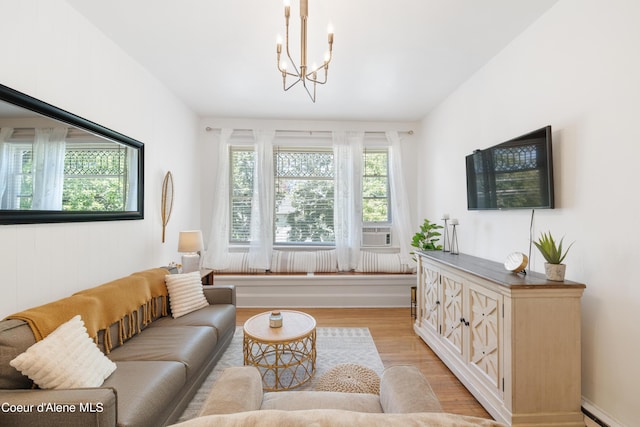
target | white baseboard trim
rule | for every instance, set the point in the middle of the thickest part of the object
(346, 291)
(601, 415)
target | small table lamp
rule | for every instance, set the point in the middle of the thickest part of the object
(190, 244)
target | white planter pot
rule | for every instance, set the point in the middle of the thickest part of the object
(555, 272)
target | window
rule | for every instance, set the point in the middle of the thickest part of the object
(304, 193)
(242, 164)
(375, 187)
(20, 194)
(95, 178)
(304, 196)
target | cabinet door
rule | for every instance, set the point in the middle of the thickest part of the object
(430, 297)
(485, 339)
(452, 318)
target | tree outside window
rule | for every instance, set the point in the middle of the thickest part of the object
(95, 177)
(375, 187)
(304, 193)
(304, 196)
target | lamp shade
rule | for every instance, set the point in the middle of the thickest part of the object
(190, 241)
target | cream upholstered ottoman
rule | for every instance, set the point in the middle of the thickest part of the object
(350, 378)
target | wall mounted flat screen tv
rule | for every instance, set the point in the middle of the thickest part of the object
(517, 174)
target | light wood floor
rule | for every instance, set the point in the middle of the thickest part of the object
(397, 344)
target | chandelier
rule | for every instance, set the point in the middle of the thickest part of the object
(302, 73)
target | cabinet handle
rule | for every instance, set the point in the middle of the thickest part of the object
(463, 321)
(437, 302)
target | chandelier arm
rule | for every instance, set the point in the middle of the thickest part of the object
(286, 40)
(324, 67)
(312, 76)
(297, 72)
(286, 88)
(313, 97)
(318, 81)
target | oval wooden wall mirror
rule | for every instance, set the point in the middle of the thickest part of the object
(167, 201)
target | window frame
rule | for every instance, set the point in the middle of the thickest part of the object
(389, 221)
(230, 195)
(276, 179)
(291, 147)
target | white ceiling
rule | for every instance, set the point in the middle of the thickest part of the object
(393, 60)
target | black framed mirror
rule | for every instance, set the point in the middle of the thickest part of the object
(58, 167)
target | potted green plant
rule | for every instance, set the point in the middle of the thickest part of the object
(554, 255)
(427, 238)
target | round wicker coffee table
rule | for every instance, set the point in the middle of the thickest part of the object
(285, 356)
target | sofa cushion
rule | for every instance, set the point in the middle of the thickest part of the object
(301, 400)
(185, 293)
(293, 262)
(145, 390)
(237, 389)
(221, 317)
(190, 345)
(239, 263)
(304, 262)
(66, 358)
(380, 262)
(397, 391)
(326, 261)
(15, 338)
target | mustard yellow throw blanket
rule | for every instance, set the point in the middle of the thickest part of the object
(144, 292)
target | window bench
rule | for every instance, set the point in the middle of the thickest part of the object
(339, 289)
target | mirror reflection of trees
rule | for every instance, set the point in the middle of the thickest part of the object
(91, 176)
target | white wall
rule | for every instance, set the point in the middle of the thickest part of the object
(577, 69)
(52, 53)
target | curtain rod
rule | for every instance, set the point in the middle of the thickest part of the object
(310, 132)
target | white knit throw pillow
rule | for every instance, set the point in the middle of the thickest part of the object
(185, 293)
(66, 358)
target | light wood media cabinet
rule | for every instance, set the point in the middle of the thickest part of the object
(512, 339)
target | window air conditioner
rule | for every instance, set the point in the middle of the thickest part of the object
(376, 236)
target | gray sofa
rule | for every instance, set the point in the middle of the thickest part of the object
(161, 363)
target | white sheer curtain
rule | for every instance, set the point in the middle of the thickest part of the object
(216, 255)
(132, 180)
(401, 227)
(347, 216)
(48, 168)
(5, 165)
(262, 204)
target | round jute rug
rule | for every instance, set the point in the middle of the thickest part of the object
(350, 378)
